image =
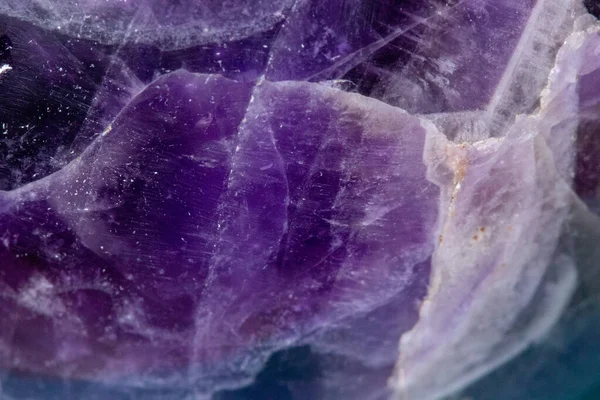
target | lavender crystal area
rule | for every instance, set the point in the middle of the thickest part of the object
(297, 199)
(211, 218)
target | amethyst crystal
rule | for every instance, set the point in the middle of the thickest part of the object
(191, 190)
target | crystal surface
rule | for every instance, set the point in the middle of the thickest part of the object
(294, 199)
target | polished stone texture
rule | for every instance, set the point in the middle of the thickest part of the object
(348, 199)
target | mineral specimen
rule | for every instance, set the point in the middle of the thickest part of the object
(194, 194)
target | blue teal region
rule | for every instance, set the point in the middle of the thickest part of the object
(565, 367)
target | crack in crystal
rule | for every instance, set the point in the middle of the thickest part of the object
(356, 57)
(541, 30)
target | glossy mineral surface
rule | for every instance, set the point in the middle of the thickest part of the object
(292, 199)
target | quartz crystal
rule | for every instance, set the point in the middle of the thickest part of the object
(276, 199)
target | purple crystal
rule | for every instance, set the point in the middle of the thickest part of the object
(189, 189)
(207, 226)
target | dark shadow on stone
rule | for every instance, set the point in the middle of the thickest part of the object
(5, 48)
(593, 7)
(286, 370)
